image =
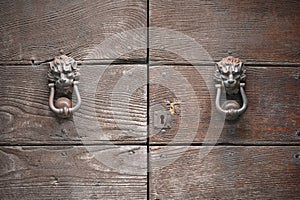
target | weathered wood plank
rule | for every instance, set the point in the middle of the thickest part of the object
(225, 173)
(68, 172)
(253, 30)
(36, 30)
(111, 109)
(273, 114)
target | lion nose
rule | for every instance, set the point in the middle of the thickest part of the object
(63, 80)
(230, 81)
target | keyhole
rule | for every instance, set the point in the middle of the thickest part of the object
(162, 119)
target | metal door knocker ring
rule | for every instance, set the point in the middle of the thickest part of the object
(63, 77)
(230, 77)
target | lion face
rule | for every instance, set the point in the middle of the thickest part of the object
(63, 72)
(231, 72)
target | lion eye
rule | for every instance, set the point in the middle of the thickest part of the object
(224, 76)
(236, 76)
(226, 73)
(55, 73)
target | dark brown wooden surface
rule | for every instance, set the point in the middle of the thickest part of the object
(225, 173)
(44, 157)
(26, 118)
(252, 30)
(273, 114)
(70, 172)
(36, 30)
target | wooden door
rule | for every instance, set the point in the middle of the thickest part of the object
(256, 156)
(42, 156)
(135, 57)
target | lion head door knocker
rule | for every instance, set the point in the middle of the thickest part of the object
(230, 78)
(63, 77)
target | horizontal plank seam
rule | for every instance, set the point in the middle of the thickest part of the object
(228, 144)
(86, 62)
(258, 64)
(153, 144)
(144, 61)
(73, 144)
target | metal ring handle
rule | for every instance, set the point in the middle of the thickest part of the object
(75, 88)
(51, 99)
(66, 111)
(232, 113)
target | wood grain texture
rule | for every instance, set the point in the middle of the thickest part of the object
(251, 30)
(273, 114)
(68, 172)
(109, 112)
(36, 30)
(225, 173)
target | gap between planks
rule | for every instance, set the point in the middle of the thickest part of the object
(152, 63)
(271, 144)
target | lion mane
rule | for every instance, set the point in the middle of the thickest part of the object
(63, 72)
(230, 72)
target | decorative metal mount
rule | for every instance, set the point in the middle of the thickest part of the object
(230, 77)
(63, 77)
(172, 106)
